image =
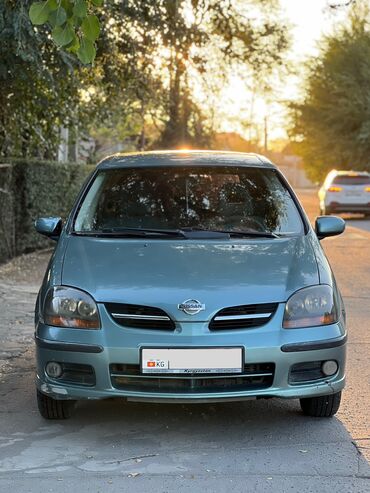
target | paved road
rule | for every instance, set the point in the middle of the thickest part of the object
(309, 199)
(113, 446)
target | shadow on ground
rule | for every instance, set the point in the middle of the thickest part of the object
(264, 437)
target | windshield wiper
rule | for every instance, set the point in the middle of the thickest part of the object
(186, 232)
(256, 234)
(132, 232)
(233, 233)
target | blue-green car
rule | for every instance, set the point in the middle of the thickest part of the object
(189, 277)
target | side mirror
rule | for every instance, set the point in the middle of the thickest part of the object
(49, 226)
(329, 226)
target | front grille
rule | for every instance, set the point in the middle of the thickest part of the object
(243, 316)
(140, 316)
(255, 376)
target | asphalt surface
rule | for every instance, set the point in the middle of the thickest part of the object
(113, 446)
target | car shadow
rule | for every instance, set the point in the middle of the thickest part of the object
(245, 423)
(256, 437)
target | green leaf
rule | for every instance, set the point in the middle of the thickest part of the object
(68, 6)
(53, 4)
(57, 17)
(75, 21)
(91, 28)
(39, 13)
(97, 3)
(74, 45)
(86, 52)
(80, 8)
(62, 35)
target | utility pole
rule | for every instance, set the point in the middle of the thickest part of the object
(265, 134)
(142, 133)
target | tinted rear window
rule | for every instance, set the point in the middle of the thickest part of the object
(212, 197)
(351, 180)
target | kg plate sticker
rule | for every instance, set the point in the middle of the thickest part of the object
(155, 365)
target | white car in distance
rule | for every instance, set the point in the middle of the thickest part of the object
(345, 191)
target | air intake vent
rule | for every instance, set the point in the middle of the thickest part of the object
(140, 316)
(255, 376)
(243, 316)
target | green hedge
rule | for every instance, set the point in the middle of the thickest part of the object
(7, 226)
(37, 189)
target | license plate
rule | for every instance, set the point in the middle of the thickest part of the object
(192, 360)
(353, 194)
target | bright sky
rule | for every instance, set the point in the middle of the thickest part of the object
(310, 19)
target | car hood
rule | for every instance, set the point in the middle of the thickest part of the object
(164, 273)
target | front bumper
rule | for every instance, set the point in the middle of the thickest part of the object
(114, 344)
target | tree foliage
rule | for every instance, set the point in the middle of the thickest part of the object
(75, 27)
(140, 85)
(155, 48)
(38, 86)
(332, 123)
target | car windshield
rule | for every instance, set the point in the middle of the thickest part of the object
(351, 180)
(200, 198)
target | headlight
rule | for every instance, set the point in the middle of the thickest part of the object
(310, 307)
(70, 307)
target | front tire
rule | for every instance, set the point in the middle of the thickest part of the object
(323, 406)
(50, 408)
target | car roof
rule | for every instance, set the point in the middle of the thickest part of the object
(185, 158)
(349, 173)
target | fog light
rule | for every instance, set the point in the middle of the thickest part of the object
(53, 369)
(329, 368)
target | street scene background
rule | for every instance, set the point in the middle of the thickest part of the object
(83, 79)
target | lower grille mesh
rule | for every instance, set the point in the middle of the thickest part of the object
(254, 377)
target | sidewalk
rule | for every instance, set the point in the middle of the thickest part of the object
(20, 280)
